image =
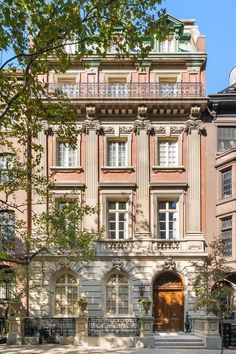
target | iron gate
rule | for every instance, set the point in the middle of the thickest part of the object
(49, 330)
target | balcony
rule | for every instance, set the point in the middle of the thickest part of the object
(151, 247)
(128, 90)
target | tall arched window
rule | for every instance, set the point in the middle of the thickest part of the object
(117, 294)
(66, 295)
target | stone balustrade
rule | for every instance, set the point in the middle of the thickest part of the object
(150, 246)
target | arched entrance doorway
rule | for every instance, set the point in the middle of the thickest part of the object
(168, 302)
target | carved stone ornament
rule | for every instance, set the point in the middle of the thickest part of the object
(108, 130)
(117, 264)
(194, 123)
(126, 129)
(176, 129)
(160, 130)
(90, 121)
(141, 122)
(169, 264)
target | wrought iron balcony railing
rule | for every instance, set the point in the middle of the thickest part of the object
(128, 90)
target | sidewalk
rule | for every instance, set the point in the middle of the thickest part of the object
(71, 349)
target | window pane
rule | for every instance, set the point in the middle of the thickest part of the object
(226, 234)
(226, 183)
(117, 153)
(66, 295)
(226, 138)
(66, 155)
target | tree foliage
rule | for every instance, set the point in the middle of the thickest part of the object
(213, 292)
(35, 36)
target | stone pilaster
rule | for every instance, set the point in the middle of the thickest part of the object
(91, 127)
(194, 128)
(143, 128)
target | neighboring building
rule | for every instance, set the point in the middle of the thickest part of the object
(141, 158)
(221, 171)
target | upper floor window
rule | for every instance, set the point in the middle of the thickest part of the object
(167, 153)
(5, 167)
(66, 295)
(167, 46)
(168, 219)
(226, 138)
(117, 154)
(7, 229)
(117, 294)
(226, 234)
(66, 154)
(226, 183)
(7, 283)
(117, 220)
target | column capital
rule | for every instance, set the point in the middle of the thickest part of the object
(91, 122)
(142, 122)
(194, 123)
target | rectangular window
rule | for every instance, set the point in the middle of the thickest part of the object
(117, 153)
(226, 138)
(117, 220)
(66, 155)
(167, 46)
(168, 219)
(226, 234)
(7, 230)
(226, 183)
(5, 168)
(167, 153)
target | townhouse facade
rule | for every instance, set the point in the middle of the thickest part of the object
(140, 157)
(220, 173)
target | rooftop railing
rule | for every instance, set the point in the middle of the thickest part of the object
(128, 90)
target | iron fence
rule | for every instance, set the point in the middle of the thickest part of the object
(3, 330)
(128, 90)
(49, 330)
(118, 326)
(229, 334)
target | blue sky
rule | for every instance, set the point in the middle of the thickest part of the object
(217, 20)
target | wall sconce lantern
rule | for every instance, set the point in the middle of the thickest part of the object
(141, 289)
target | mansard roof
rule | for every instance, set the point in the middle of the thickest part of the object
(229, 90)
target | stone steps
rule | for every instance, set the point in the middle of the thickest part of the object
(175, 341)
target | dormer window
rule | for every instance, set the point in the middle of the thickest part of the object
(167, 46)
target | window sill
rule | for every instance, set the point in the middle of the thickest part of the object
(157, 169)
(115, 169)
(66, 169)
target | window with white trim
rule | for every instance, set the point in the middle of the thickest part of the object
(117, 153)
(66, 295)
(226, 177)
(7, 230)
(5, 168)
(167, 46)
(226, 234)
(117, 294)
(167, 153)
(168, 219)
(117, 212)
(66, 154)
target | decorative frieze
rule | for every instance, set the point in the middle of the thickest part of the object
(194, 123)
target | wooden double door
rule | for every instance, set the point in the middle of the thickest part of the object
(168, 301)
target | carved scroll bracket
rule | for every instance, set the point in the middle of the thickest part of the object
(141, 122)
(194, 123)
(90, 121)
